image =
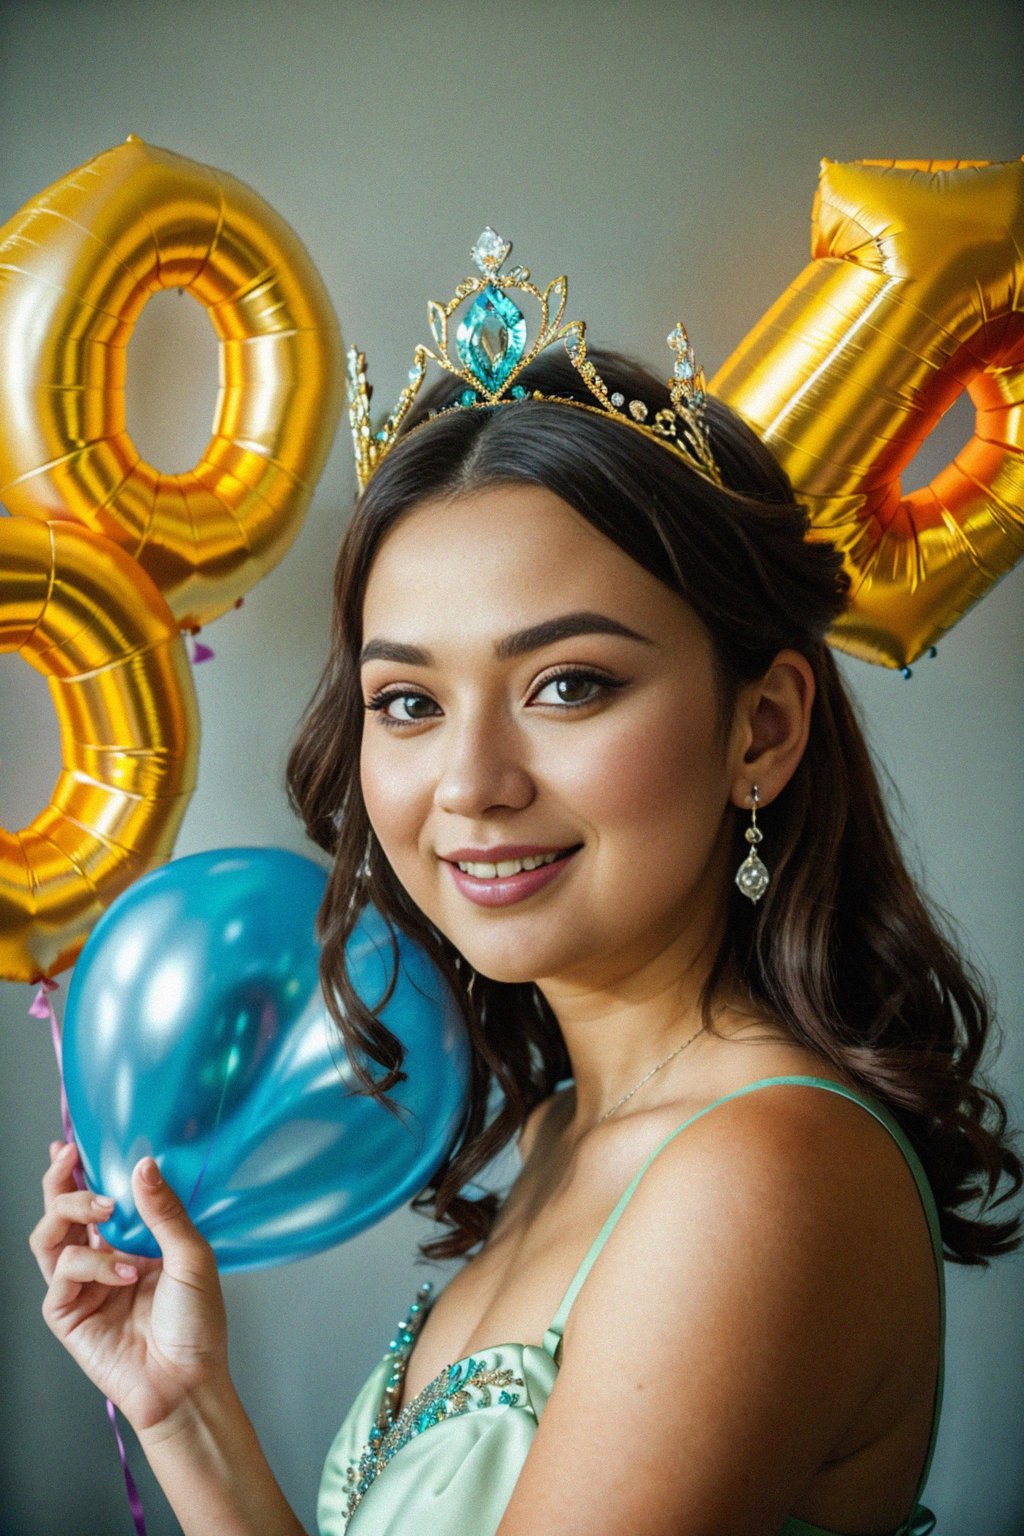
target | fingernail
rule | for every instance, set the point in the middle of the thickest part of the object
(102, 1203)
(149, 1172)
(126, 1271)
(66, 1152)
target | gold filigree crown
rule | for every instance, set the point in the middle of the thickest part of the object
(492, 350)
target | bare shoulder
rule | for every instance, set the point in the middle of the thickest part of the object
(809, 1164)
(788, 1221)
(761, 1261)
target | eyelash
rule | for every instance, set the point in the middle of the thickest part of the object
(380, 700)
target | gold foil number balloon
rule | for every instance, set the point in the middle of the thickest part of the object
(915, 293)
(81, 612)
(77, 264)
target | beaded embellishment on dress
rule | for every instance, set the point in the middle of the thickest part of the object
(465, 1384)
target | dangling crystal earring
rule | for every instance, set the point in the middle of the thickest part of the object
(752, 877)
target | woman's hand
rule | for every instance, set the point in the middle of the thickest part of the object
(148, 1332)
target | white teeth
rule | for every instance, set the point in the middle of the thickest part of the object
(507, 866)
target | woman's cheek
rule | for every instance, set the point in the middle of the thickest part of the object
(650, 768)
(392, 791)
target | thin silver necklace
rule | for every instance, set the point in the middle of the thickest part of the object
(650, 1074)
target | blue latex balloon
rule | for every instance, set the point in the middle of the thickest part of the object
(195, 1030)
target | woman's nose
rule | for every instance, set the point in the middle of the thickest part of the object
(483, 765)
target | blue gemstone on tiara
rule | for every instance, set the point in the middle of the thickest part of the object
(492, 338)
(492, 348)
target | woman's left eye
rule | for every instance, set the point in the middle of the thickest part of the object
(380, 702)
(575, 678)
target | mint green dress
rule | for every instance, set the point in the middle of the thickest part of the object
(447, 1465)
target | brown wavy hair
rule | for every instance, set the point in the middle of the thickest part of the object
(844, 948)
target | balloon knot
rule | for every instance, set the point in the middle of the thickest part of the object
(40, 1005)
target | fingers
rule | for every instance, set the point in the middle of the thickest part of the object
(60, 1176)
(96, 1238)
(66, 1223)
(77, 1267)
(187, 1255)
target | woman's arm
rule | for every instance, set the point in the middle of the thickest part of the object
(743, 1311)
(211, 1466)
(152, 1335)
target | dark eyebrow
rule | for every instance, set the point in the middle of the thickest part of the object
(517, 644)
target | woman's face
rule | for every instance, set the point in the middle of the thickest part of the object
(480, 744)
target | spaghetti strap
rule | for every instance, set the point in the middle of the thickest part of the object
(553, 1336)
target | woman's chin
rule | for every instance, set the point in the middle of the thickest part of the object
(521, 969)
(511, 975)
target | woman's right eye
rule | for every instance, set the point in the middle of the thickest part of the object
(379, 702)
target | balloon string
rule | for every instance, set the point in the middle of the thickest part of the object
(42, 1008)
(268, 1018)
(134, 1501)
(200, 1176)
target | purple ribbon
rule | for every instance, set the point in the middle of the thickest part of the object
(134, 1502)
(42, 1008)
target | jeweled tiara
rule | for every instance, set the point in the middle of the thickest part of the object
(492, 351)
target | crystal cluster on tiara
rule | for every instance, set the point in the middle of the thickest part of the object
(492, 349)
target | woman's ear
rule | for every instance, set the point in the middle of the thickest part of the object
(770, 727)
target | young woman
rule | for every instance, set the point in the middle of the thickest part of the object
(571, 680)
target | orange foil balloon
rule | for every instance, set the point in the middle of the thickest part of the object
(915, 293)
(80, 611)
(77, 265)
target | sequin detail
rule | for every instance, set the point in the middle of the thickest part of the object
(458, 1387)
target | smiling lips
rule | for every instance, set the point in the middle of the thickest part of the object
(508, 875)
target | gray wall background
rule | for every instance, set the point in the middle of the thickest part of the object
(665, 156)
